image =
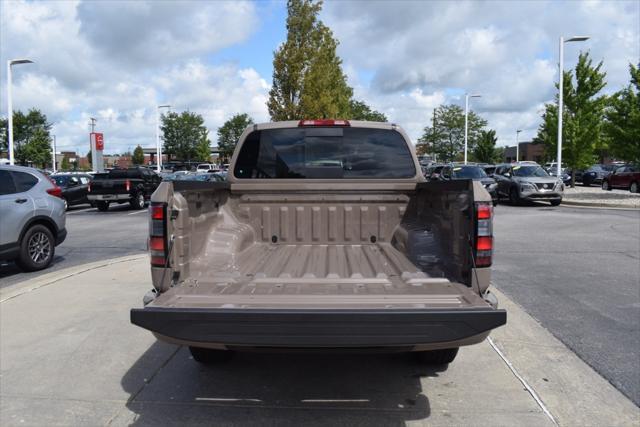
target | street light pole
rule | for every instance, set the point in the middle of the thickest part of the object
(466, 121)
(10, 63)
(158, 147)
(54, 154)
(561, 94)
(518, 145)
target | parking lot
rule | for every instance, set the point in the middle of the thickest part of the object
(72, 357)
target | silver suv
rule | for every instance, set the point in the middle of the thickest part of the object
(527, 181)
(32, 217)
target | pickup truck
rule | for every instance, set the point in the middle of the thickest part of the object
(132, 185)
(325, 235)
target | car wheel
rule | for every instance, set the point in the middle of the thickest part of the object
(36, 248)
(138, 201)
(102, 206)
(66, 204)
(606, 186)
(555, 202)
(633, 187)
(437, 357)
(514, 198)
(209, 355)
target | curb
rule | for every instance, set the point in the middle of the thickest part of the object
(26, 286)
(570, 203)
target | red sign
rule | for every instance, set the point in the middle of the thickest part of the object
(99, 141)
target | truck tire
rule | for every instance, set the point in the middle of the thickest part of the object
(437, 357)
(208, 355)
(137, 202)
(36, 248)
(102, 206)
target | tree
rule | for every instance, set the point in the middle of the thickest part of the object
(445, 137)
(90, 158)
(308, 81)
(203, 151)
(229, 133)
(182, 134)
(485, 150)
(4, 124)
(138, 156)
(65, 164)
(583, 117)
(31, 139)
(361, 111)
(623, 120)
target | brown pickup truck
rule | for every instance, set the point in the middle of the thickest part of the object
(326, 235)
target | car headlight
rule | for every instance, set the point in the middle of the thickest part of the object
(527, 186)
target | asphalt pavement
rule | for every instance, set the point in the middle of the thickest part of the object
(92, 236)
(577, 271)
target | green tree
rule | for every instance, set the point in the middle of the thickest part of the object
(361, 111)
(90, 158)
(182, 134)
(138, 156)
(623, 120)
(203, 150)
(3, 134)
(308, 81)
(229, 133)
(583, 117)
(445, 138)
(65, 164)
(485, 150)
(31, 139)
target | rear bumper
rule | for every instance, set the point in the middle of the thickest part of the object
(108, 197)
(62, 235)
(319, 328)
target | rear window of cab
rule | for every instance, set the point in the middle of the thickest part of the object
(324, 153)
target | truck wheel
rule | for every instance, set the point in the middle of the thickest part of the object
(102, 206)
(36, 248)
(555, 202)
(437, 357)
(514, 199)
(209, 355)
(138, 201)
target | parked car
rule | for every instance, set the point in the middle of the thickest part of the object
(626, 177)
(566, 175)
(343, 245)
(528, 181)
(473, 172)
(596, 173)
(433, 172)
(206, 167)
(131, 185)
(75, 188)
(489, 169)
(32, 217)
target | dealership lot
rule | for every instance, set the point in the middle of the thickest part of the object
(72, 357)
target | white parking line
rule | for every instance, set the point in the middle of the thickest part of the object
(137, 212)
(79, 210)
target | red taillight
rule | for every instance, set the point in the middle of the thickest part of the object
(127, 185)
(55, 191)
(158, 235)
(323, 122)
(484, 235)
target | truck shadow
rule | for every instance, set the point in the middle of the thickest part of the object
(168, 387)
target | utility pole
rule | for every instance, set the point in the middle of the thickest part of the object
(518, 145)
(94, 154)
(54, 154)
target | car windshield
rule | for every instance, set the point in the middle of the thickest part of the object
(325, 153)
(531, 171)
(470, 172)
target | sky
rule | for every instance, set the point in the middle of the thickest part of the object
(117, 60)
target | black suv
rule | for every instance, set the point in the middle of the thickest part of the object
(75, 188)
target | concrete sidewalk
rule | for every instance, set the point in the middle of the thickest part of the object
(597, 197)
(69, 356)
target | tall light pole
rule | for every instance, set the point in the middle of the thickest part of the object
(466, 121)
(560, 95)
(11, 63)
(54, 154)
(158, 147)
(518, 145)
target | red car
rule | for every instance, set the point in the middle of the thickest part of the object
(627, 176)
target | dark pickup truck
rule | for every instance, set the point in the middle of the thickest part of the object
(132, 185)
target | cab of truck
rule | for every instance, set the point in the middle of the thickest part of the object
(325, 235)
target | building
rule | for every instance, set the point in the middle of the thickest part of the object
(528, 152)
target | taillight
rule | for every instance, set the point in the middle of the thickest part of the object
(89, 187)
(158, 235)
(484, 234)
(324, 122)
(127, 185)
(55, 191)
